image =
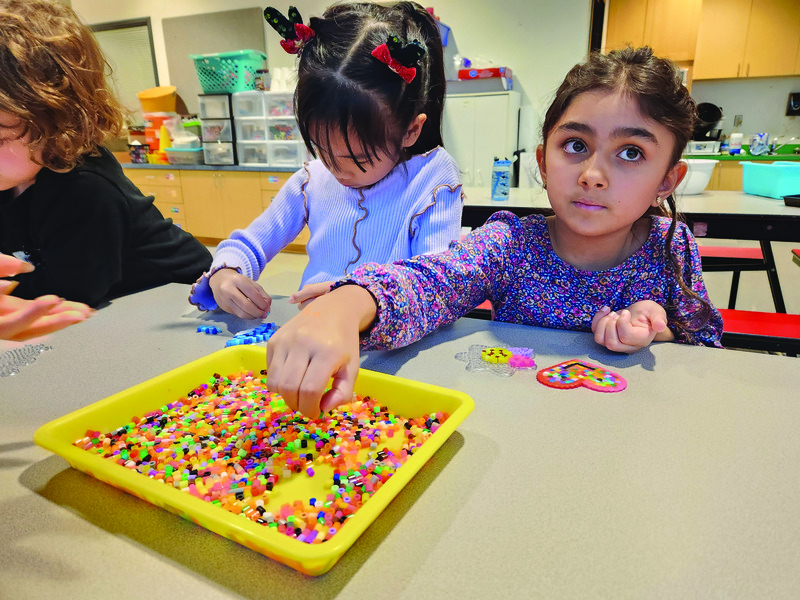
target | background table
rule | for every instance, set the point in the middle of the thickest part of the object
(685, 485)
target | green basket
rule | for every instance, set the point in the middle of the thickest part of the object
(228, 72)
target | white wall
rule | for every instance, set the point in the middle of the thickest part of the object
(538, 39)
(761, 102)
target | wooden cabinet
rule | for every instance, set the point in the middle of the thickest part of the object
(211, 204)
(165, 187)
(477, 128)
(669, 27)
(217, 202)
(727, 176)
(747, 38)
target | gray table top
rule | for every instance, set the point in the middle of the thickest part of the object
(684, 485)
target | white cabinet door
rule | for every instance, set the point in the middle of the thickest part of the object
(477, 128)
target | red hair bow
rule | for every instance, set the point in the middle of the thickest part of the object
(382, 54)
(303, 33)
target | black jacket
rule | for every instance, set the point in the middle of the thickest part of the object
(92, 235)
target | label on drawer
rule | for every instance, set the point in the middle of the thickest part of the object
(169, 176)
(272, 178)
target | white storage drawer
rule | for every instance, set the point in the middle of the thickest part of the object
(217, 130)
(280, 104)
(219, 153)
(251, 129)
(214, 106)
(252, 153)
(283, 129)
(252, 103)
(285, 154)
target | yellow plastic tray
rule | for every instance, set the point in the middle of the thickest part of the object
(405, 397)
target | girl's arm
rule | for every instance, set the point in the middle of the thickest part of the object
(399, 303)
(247, 251)
(418, 295)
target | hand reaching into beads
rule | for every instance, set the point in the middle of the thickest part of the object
(632, 328)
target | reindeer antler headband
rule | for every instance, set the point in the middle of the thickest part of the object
(292, 30)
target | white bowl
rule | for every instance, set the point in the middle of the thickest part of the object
(697, 176)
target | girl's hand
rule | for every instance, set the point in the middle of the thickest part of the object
(631, 329)
(318, 344)
(22, 319)
(309, 292)
(239, 295)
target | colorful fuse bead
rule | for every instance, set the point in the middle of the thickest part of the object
(496, 355)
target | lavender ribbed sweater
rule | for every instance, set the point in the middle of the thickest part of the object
(415, 209)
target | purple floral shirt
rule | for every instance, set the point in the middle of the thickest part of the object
(511, 262)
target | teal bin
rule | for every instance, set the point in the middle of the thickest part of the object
(774, 180)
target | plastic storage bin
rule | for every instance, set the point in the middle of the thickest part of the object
(215, 106)
(285, 154)
(253, 153)
(185, 156)
(280, 104)
(228, 72)
(219, 153)
(774, 180)
(217, 130)
(283, 129)
(251, 128)
(163, 98)
(249, 104)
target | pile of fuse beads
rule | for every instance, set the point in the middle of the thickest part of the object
(230, 442)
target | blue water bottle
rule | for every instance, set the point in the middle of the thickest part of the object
(501, 179)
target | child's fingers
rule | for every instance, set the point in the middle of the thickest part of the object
(599, 315)
(309, 292)
(13, 266)
(244, 307)
(251, 297)
(18, 317)
(600, 326)
(6, 287)
(341, 391)
(50, 324)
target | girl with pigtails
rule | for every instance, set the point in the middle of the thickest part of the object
(369, 99)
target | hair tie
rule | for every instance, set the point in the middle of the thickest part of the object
(294, 33)
(400, 58)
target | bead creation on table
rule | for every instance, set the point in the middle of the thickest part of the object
(498, 360)
(230, 456)
(578, 373)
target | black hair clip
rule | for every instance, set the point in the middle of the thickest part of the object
(400, 58)
(292, 30)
